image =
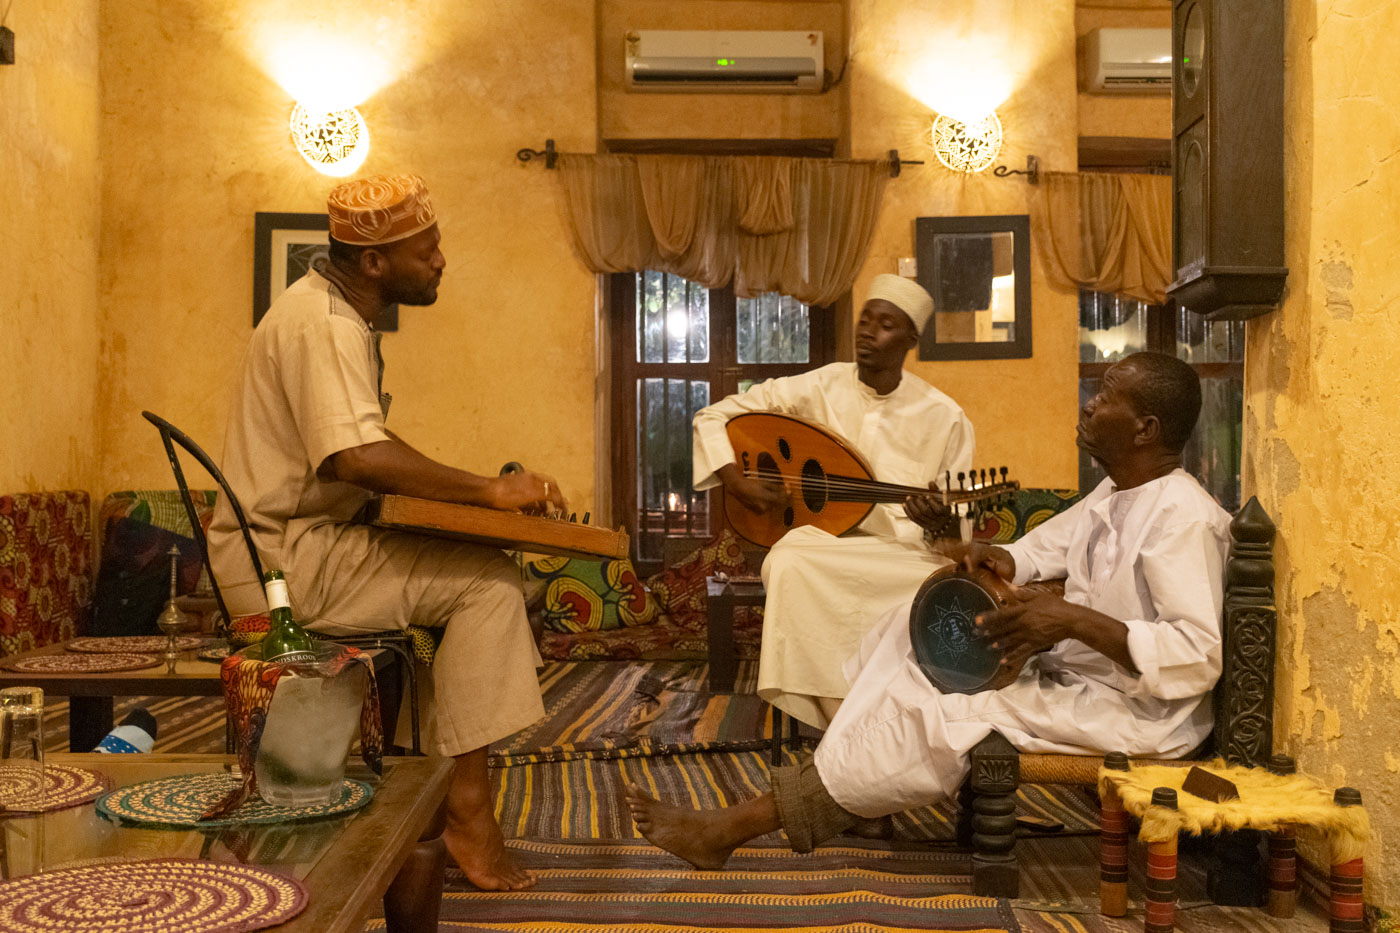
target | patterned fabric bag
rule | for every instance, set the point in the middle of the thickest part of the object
(249, 684)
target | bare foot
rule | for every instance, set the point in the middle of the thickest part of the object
(476, 845)
(694, 835)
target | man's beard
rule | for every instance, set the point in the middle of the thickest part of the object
(418, 296)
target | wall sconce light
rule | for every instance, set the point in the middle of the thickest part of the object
(969, 147)
(334, 143)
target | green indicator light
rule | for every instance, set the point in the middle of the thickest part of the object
(724, 61)
(1186, 60)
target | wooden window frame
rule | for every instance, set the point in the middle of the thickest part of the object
(722, 371)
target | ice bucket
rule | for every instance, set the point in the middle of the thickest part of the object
(311, 723)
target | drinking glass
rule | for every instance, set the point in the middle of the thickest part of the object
(22, 748)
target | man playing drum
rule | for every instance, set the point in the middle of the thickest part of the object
(1124, 661)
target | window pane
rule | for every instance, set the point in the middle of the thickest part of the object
(1110, 327)
(668, 504)
(1212, 454)
(1202, 341)
(699, 323)
(772, 328)
(651, 318)
(677, 320)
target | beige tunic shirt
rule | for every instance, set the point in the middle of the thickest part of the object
(309, 388)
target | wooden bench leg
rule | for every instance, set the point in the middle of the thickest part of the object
(1344, 906)
(1160, 906)
(1283, 872)
(1113, 854)
(414, 898)
(993, 777)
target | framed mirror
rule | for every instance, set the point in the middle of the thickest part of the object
(978, 270)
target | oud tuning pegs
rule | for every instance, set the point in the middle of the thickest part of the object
(961, 477)
(1003, 474)
(984, 477)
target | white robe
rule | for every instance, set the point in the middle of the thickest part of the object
(1152, 557)
(825, 592)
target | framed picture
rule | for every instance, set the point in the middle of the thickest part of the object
(285, 247)
(978, 270)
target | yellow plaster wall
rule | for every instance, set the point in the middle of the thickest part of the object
(1145, 115)
(194, 135)
(49, 173)
(903, 56)
(624, 115)
(1322, 402)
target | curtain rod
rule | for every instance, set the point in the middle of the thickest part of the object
(551, 155)
(1031, 171)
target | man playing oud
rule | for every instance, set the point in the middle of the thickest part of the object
(305, 449)
(823, 592)
(1124, 661)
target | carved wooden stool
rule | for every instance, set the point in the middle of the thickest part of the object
(1275, 801)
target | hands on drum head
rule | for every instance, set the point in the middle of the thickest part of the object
(977, 554)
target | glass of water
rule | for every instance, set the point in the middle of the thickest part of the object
(22, 748)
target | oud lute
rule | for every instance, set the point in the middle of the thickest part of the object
(828, 482)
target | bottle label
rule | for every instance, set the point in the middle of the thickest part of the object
(277, 595)
(293, 656)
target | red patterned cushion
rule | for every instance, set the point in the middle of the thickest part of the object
(589, 595)
(681, 589)
(45, 568)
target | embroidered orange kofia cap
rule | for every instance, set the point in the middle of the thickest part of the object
(379, 209)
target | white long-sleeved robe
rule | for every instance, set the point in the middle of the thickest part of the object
(1152, 557)
(825, 592)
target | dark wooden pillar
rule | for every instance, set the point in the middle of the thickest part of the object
(995, 774)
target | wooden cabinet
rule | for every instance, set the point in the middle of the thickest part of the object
(1227, 157)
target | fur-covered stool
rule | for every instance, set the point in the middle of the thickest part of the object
(1274, 801)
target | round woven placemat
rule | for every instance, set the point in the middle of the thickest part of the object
(79, 663)
(119, 644)
(63, 786)
(214, 653)
(179, 800)
(152, 896)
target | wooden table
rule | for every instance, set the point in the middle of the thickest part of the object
(390, 849)
(721, 596)
(91, 696)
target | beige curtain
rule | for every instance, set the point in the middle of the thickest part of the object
(1105, 231)
(796, 226)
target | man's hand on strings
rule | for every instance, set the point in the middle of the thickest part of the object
(929, 513)
(530, 492)
(754, 494)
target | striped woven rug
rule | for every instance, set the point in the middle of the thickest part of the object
(629, 887)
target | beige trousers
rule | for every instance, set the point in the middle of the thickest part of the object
(354, 579)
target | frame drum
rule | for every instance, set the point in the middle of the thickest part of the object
(949, 649)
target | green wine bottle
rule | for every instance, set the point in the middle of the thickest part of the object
(285, 642)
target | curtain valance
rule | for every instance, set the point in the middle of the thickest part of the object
(796, 226)
(1105, 231)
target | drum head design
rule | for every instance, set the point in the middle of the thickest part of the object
(950, 651)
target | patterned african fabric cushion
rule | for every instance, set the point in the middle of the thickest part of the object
(1027, 509)
(133, 582)
(680, 589)
(590, 595)
(45, 568)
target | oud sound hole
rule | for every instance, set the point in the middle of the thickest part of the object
(784, 448)
(813, 486)
(767, 467)
(788, 516)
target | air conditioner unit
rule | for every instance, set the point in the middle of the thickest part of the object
(1128, 61)
(698, 61)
